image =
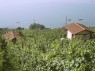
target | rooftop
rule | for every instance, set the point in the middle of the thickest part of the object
(76, 28)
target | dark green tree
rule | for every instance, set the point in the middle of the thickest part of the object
(20, 28)
(37, 26)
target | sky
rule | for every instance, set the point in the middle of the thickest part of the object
(51, 13)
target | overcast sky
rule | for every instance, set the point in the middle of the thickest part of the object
(51, 13)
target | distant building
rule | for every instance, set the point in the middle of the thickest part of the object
(77, 30)
(12, 35)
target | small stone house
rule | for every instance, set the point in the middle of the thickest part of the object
(77, 30)
(12, 35)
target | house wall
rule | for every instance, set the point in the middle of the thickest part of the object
(83, 35)
(69, 34)
(87, 36)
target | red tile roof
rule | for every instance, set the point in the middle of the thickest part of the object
(75, 28)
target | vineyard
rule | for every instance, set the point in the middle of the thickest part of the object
(44, 50)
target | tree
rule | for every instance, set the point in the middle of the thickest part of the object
(20, 28)
(37, 26)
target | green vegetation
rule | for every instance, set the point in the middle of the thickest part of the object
(20, 28)
(92, 28)
(43, 50)
(37, 26)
